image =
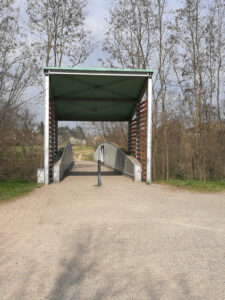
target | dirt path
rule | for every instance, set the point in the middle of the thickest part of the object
(125, 240)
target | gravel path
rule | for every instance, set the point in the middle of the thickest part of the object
(124, 240)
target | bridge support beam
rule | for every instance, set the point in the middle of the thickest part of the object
(50, 134)
(149, 133)
(46, 132)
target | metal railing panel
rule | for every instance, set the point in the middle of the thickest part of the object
(113, 157)
(63, 162)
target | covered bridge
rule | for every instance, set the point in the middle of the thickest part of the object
(125, 95)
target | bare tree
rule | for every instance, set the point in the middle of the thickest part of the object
(188, 79)
(128, 40)
(113, 132)
(18, 67)
(138, 38)
(198, 39)
(59, 32)
(162, 73)
(215, 54)
(18, 71)
(189, 62)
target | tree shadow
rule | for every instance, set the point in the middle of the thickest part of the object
(93, 273)
(81, 277)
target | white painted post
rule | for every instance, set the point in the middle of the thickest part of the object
(149, 133)
(46, 139)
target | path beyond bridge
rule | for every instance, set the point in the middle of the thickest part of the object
(124, 240)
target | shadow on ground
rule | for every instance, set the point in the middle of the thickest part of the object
(89, 170)
(104, 173)
(81, 276)
(99, 268)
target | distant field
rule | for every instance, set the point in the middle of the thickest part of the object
(80, 152)
(14, 188)
(83, 153)
(207, 186)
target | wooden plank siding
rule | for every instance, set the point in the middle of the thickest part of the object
(137, 135)
(53, 137)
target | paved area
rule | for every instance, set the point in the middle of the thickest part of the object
(125, 240)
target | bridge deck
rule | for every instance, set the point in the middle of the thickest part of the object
(124, 240)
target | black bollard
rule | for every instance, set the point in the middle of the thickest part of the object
(99, 173)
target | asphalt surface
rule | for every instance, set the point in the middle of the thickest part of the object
(123, 240)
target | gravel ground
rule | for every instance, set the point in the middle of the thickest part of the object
(124, 240)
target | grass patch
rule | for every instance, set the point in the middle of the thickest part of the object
(83, 153)
(203, 186)
(14, 188)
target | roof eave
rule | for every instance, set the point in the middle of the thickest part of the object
(97, 72)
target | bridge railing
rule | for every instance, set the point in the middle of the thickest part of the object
(63, 162)
(113, 157)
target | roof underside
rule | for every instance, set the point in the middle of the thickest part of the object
(96, 94)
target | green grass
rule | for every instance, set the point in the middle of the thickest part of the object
(81, 148)
(203, 186)
(14, 188)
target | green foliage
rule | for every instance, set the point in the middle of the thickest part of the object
(14, 188)
(207, 186)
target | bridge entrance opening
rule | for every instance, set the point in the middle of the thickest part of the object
(124, 95)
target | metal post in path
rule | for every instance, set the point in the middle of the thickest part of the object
(99, 173)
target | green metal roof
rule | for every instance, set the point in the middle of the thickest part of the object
(96, 94)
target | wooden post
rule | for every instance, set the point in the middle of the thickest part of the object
(46, 132)
(149, 133)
